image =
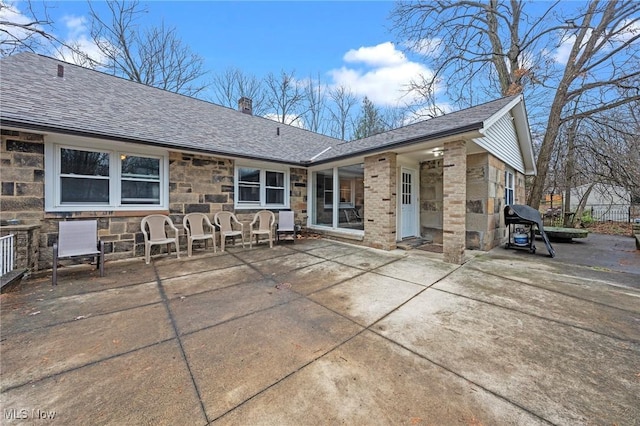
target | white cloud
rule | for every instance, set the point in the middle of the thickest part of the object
(78, 37)
(382, 73)
(384, 54)
(76, 26)
(561, 55)
(631, 29)
(291, 120)
(10, 33)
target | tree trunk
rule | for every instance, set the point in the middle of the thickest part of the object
(577, 221)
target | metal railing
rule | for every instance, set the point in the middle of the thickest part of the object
(610, 213)
(7, 254)
(593, 213)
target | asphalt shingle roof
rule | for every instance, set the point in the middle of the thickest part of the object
(97, 104)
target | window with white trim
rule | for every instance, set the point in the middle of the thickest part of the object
(337, 197)
(509, 188)
(86, 178)
(260, 187)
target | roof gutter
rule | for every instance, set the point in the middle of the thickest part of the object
(303, 163)
(73, 132)
(447, 133)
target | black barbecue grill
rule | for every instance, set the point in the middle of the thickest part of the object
(520, 220)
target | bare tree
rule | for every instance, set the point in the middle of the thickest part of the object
(285, 97)
(314, 118)
(30, 28)
(233, 84)
(154, 56)
(496, 47)
(343, 102)
(612, 148)
(398, 115)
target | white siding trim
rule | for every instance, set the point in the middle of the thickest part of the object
(501, 140)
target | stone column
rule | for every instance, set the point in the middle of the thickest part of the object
(380, 201)
(26, 245)
(454, 201)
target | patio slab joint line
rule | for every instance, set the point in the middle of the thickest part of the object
(165, 302)
(558, 292)
(497, 395)
(530, 314)
(363, 329)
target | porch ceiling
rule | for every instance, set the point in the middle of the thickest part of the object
(430, 150)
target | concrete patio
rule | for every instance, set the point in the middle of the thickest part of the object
(320, 332)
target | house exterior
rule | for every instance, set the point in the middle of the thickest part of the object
(78, 143)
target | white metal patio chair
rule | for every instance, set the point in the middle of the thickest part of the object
(198, 227)
(78, 238)
(352, 216)
(265, 220)
(226, 221)
(286, 224)
(157, 234)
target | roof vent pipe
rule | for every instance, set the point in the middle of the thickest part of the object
(60, 71)
(277, 131)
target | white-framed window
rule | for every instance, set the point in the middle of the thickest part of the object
(346, 192)
(83, 175)
(337, 198)
(509, 188)
(261, 187)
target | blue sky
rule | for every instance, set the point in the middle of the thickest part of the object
(259, 37)
(344, 42)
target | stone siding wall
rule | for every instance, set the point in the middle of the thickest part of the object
(380, 201)
(197, 183)
(298, 195)
(478, 202)
(431, 213)
(485, 226)
(454, 201)
(22, 177)
(25, 243)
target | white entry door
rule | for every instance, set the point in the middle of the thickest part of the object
(408, 204)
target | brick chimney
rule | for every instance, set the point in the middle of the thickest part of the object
(245, 105)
